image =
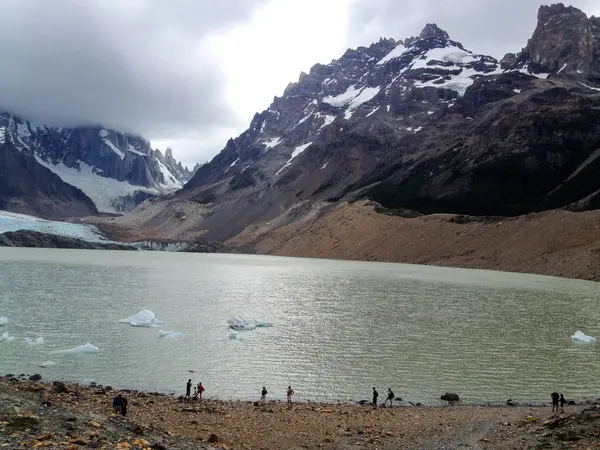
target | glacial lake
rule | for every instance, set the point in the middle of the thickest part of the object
(339, 328)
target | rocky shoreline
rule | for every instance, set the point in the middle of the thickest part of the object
(35, 413)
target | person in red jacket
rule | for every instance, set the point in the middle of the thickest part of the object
(200, 391)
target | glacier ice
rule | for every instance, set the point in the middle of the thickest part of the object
(81, 349)
(144, 318)
(3, 321)
(240, 324)
(33, 342)
(6, 338)
(580, 336)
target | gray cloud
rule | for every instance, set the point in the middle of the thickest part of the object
(139, 66)
(493, 27)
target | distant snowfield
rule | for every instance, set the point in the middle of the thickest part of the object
(15, 222)
(102, 191)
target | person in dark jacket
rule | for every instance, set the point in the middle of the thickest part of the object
(124, 406)
(562, 402)
(263, 395)
(188, 389)
(390, 398)
(554, 396)
(375, 395)
(117, 404)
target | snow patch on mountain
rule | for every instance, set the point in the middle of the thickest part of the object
(396, 53)
(295, 153)
(104, 135)
(169, 180)
(272, 142)
(2, 135)
(104, 192)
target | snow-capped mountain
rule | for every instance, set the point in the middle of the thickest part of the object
(115, 170)
(421, 124)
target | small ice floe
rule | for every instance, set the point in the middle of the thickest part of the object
(46, 364)
(6, 338)
(246, 324)
(3, 321)
(580, 336)
(34, 342)
(144, 318)
(80, 349)
(236, 335)
(170, 334)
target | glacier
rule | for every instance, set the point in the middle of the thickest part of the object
(580, 336)
(80, 349)
(144, 318)
(15, 222)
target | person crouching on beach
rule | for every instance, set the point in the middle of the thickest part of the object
(263, 395)
(117, 404)
(195, 396)
(290, 393)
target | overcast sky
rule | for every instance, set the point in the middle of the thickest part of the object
(191, 73)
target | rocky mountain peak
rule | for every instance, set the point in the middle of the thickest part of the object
(431, 30)
(565, 42)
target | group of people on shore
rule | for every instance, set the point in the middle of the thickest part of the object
(556, 400)
(120, 405)
(389, 398)
(198, 390)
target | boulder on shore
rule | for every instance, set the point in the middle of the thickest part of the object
(450, 397)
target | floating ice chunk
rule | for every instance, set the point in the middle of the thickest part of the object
(47, 364)
(580, 336)
(34, 342)
(6, 338)
(234, 335)
(144, 318)
(170, 334)
(246, 324)
(81, 349)
(3, 321)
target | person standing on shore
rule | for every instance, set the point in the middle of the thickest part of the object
(554, 397)
(117, 404)
(290, 393)
(562, 401)
(263, 395)
(124, 406)
(188, 389)
(375, 395)
(390, 398)
(200, 391)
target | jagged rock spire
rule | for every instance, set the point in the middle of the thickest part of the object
(432, 30)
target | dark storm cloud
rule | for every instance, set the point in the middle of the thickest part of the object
(493, 27)
(136, 65)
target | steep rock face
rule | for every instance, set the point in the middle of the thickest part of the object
(114, 169)
(565, 41)
(27, 187)
(420, 124)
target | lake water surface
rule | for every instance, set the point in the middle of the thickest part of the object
(340, 327)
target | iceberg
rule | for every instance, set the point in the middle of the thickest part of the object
(45, 364)
(144, 318)
(170, 334)
(234, 335)
(33, 342)
(6, 338)
(580, 336)
(246, 324)
(81, 349)
(3, 321)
